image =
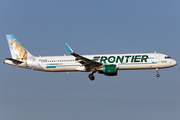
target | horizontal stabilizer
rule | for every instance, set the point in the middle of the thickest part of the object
(14, 61)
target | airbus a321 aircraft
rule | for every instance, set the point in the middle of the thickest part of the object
(107, 64)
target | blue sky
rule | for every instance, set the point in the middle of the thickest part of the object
(90, 27)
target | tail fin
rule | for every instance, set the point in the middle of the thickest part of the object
(18, 51)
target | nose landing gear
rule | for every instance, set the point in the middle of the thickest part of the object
(157, 75)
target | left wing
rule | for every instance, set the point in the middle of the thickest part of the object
(88, 63)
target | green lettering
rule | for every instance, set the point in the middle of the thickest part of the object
(111, 59)
(127, 57)
(103, 58)
(96, 58)
(132, 59)
(144, 58)
(120, 58)
(136, 58)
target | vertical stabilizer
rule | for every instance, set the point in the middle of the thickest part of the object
(18, 51)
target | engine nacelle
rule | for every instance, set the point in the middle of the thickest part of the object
(109, 70)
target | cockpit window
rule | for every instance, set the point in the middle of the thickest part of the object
(167, 57)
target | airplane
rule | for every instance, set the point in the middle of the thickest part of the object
(107, 64)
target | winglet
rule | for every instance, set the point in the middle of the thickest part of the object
(69, 49)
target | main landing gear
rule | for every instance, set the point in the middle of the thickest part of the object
(91, 76)
(157, 75)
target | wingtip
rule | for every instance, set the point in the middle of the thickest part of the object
(69, 49)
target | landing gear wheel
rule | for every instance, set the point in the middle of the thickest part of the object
(157, 75)
(91, 77)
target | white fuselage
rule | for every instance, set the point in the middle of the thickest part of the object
(122, 62)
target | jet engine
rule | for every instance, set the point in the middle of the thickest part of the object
(109, 70)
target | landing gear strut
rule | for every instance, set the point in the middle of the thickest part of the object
(157, 75)
(91, 76)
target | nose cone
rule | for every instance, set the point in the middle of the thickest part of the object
(174, 63)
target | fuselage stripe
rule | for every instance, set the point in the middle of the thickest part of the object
(80, 65)
(61, 66)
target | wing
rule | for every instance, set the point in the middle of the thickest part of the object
(88, 63)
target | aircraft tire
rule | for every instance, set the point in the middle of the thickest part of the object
(91, 77)
(157, 75)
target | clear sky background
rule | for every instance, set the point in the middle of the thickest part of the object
(90, 27)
